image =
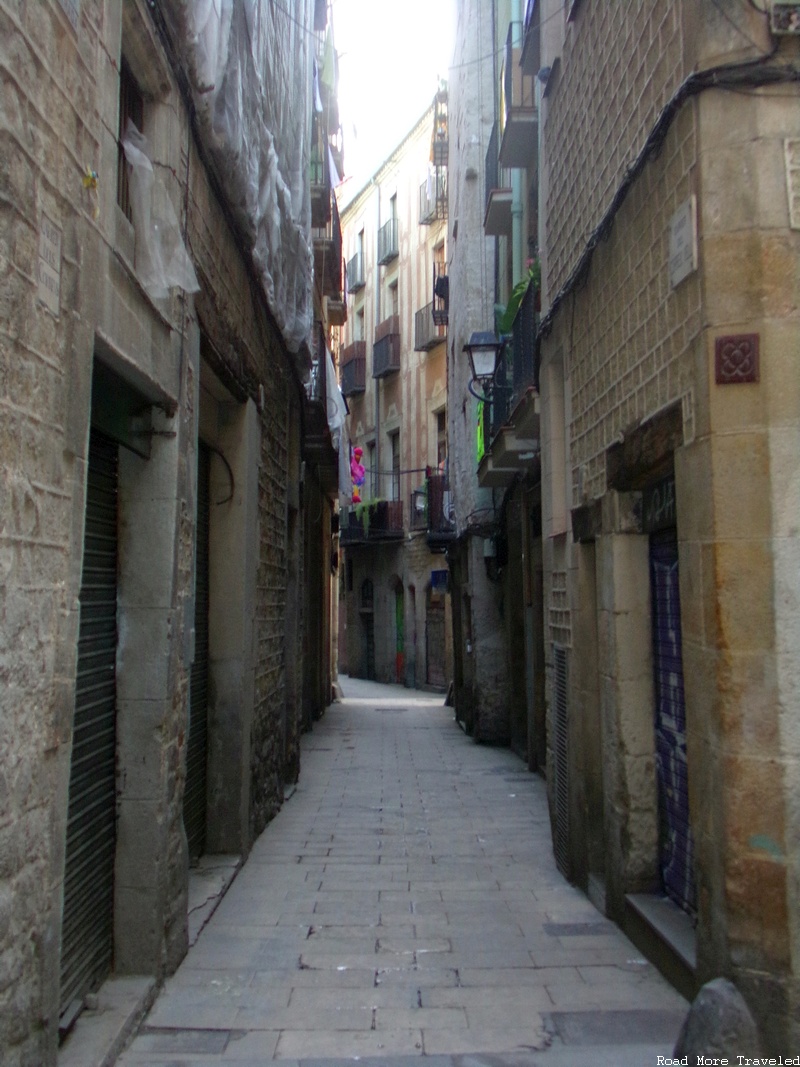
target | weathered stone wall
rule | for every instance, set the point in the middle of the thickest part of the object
(49, 86)
(619, 65)
(267, 757)
(59, 114)
(630, 347)
(481, 671)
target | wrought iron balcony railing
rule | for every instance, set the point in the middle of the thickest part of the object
(497, 203)
(441, 293)
(418, 515)
(492, 168)
(525, 369)
(530, 60)
(354, 273)
(433, 198)
(517, 366)
(386, 347)
(440, 143)
(388, 246)
(441, 516)
(426, 333)
(519, 134)
(315, 386)
(320, 186)
(353, 361)
(374, 520)
(328, 262)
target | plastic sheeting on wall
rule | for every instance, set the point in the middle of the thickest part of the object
(161, 257)
(249, 64)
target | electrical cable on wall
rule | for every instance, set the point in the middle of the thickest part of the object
(752, 74)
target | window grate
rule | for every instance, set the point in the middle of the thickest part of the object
(131, 106)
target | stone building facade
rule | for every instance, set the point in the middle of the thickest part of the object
(660, 179)
(395, 601)
(155, 353)
(493, 614)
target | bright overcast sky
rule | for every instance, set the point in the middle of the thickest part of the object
(390, 56)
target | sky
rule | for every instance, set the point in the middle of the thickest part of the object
(390, 58)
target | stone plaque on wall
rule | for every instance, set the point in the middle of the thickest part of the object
(683, 242)
(736, 359)
(791, 151)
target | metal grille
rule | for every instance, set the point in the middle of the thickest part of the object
(561, 766)
(194, 797)
(676, 843)
(435, 642)
(87, 938)
(131, 106)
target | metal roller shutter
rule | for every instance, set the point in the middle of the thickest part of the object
(194, 798)
(676, 845)
(88, 922)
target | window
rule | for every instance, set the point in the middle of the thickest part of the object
(393, 207)
(131, 106)
(441, 440)
(358, 326)
(394, 307)
(394, 440)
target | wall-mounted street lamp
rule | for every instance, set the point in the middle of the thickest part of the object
(483, 349)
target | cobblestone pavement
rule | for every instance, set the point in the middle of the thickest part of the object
(405, 903)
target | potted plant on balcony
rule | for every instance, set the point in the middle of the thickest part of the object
(505, 320)
(371, 512)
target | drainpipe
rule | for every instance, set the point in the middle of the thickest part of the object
(517, 208)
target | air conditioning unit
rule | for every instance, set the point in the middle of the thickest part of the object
(785, 17)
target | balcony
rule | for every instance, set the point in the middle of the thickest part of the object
(372, 522)
(386, 348)
(354, 273)
(427, 334)
(497, 213)
(418, 516)
(327, 242)
(441, 517)
(320, 186)
(512, 415)
(440, 143)
(318, 448)
(441, 293)
(520, 118)
(335, 311)
(433, 198)
(353, 361)
(531, 55)
(388, 245)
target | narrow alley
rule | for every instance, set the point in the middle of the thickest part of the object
(405, 903)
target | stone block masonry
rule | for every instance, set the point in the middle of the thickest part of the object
(61, 98)
(268, 730)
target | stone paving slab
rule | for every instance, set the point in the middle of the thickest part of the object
(403, 904)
